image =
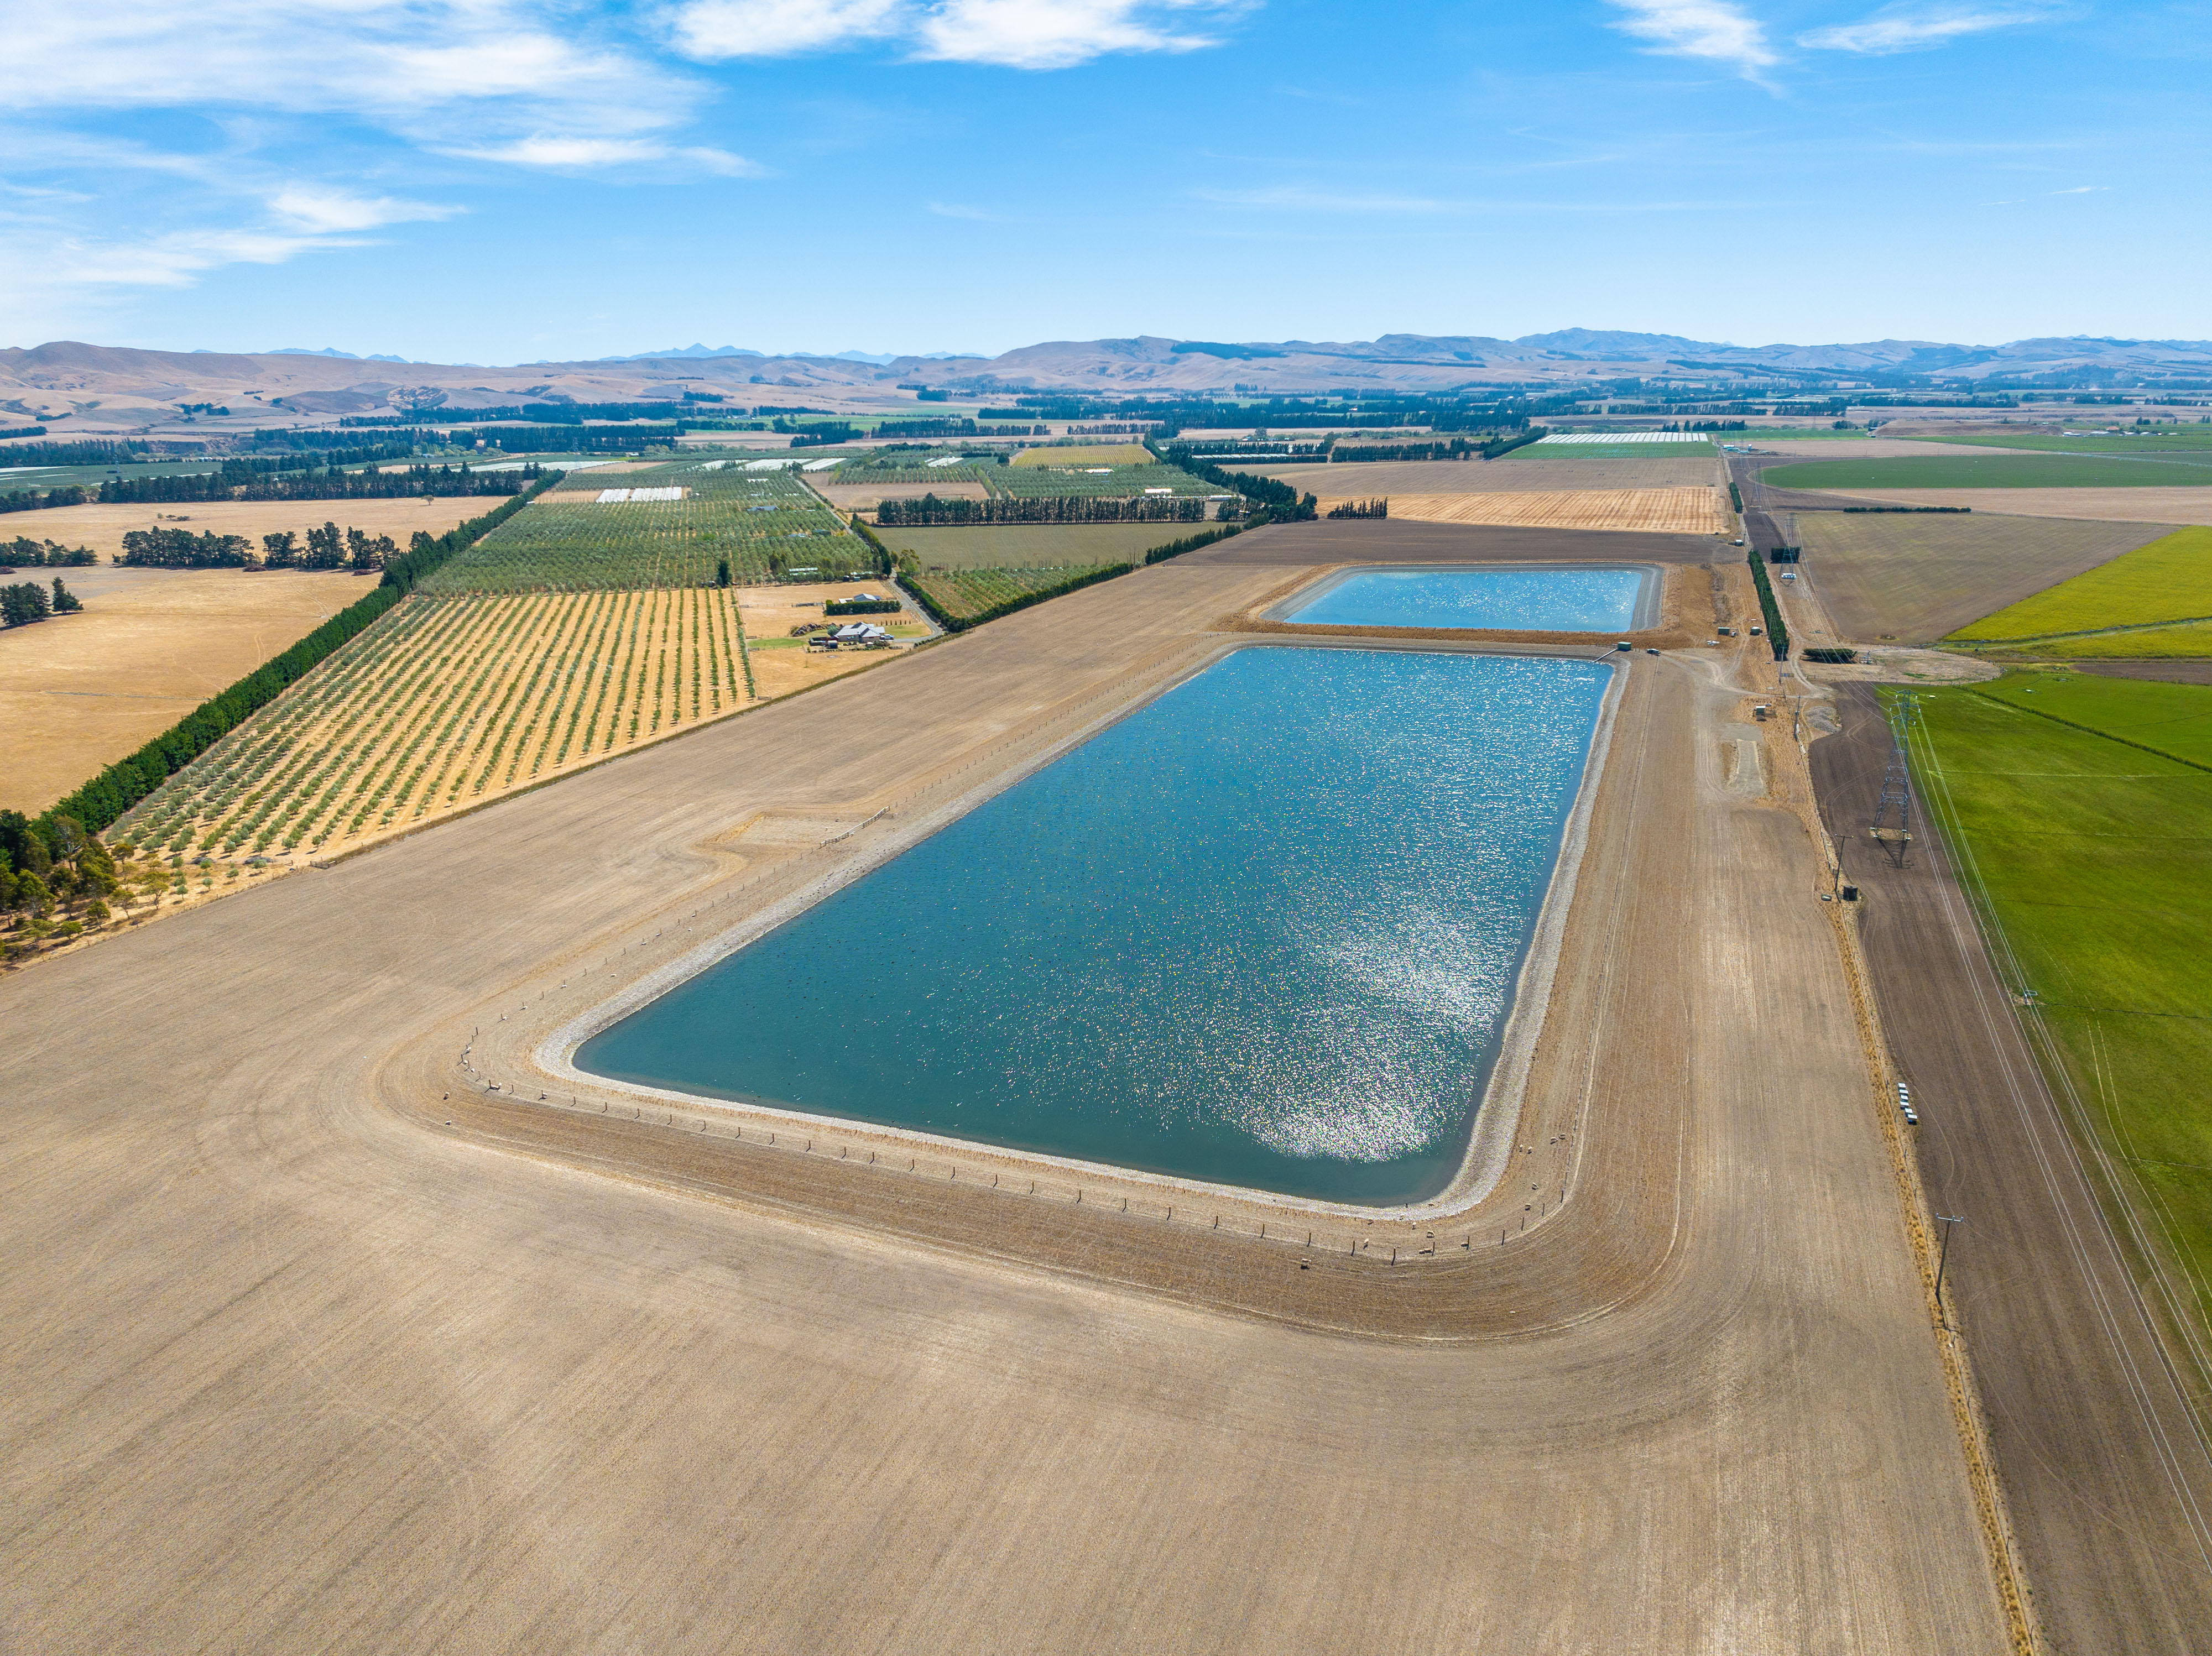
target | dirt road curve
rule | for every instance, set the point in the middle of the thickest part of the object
(2109, 1483)
(293, 1364)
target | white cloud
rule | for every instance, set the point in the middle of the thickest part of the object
(1012, 34)
(1052, 34)
(1713, 29)
(1899, 30)
(323, 211)
(173, 259)
(391, 61)
(714, 29)
(577, 154)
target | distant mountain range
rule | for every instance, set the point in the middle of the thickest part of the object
(112, 388)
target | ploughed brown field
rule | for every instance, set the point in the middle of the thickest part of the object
(2149, 504)
(1917, 577)
(79, 692)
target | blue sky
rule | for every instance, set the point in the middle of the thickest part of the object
(490, 181)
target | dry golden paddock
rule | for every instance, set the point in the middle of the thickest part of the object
(102, 527)
(1699, 510)
(313, 1343)
(79, 692)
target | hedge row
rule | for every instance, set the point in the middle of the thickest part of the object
(1776, 633)
(1191, 544)
(101, 801)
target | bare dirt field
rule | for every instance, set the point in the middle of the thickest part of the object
(1511, 476)
(102, 527)
(2147, 505)
(1661, 511)
(82, 691)
(1916, 579)
(2107, 1473)
(319, 1342)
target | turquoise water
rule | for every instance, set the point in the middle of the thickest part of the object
(1265, 932)
(1556, 598)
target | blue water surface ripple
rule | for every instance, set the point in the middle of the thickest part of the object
(1265, 932)
(1562, 599)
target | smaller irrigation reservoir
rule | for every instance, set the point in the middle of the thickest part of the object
(1506, 597)
(1265, 932)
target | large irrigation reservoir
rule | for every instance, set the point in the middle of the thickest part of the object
(1265, 931)
(1538, 598)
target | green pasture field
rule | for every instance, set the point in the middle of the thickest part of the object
(1989, 471)
(1030, 482)
(2170, 580)
(2186, 441)
(2090, 861)
(15, 477)
(746, 517)
(1031, 546)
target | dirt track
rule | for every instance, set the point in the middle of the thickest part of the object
(297, 1365)
(2110, 1484)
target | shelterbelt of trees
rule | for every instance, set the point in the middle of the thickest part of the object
(26, 602)
(249, 481)
(24, 553)
(327, 548)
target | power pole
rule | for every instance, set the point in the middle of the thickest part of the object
(1944, 1254)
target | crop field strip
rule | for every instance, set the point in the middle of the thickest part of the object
(1658, 511)
(2007, 469)
(2166, 583)
(575, 543)
(1116, 483)
(1513, 474)
(450, 702)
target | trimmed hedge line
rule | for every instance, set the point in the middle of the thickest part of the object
(862, 607)
(101, 801)
(1776, 633)
(1191, 544)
